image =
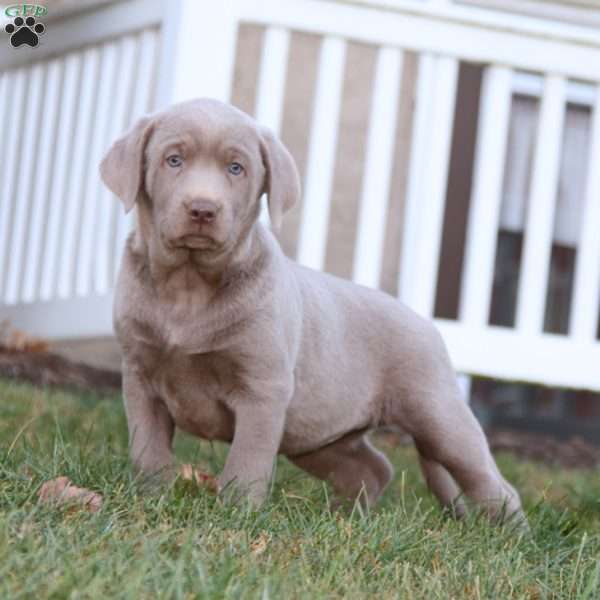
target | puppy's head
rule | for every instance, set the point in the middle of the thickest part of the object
(197, 172)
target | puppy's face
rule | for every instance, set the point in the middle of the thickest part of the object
(197, 172)
(204, 178)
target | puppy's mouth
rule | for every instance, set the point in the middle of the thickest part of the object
(196, 242)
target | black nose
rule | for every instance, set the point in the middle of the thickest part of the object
(202, 211)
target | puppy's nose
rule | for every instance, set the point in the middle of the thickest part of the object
(202, 211)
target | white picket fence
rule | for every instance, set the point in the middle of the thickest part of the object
(60, 105)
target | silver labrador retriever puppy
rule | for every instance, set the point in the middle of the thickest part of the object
(228, 339)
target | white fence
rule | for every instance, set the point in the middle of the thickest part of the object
(60, 236)
(61, 105)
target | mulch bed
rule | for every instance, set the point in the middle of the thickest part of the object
(49, 369)
(572, 453)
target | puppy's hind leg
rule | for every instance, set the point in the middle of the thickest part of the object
(452, 445)
(454, 451)
(352, 465)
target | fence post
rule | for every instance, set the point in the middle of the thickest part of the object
(198, 51)
(428, 174)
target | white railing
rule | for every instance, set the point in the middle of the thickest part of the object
(196, 58)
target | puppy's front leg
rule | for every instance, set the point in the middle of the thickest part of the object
(256, 440)
(151, 427)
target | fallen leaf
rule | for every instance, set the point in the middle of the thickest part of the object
(259, 545)
(16, 340)
(62, 491)
(189, 473)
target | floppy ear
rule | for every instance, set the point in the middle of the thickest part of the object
(282, 182)
(122, 169)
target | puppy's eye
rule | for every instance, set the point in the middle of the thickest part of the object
(174, 160)
(235, 168)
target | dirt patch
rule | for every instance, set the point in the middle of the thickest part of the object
(48, 369)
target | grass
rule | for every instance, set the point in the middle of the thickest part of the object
(186, 544)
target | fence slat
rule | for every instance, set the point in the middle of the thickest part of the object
(77, 173)
(4, 98)
(107, 209)
(198, 52)
(271, 80)
(321, 154)
(486, 198)
(5, 79)
(270, 89)
(414, 193)
(143, 100)
(91, 210)
(57, 194)
(13, 94)
(6, 82)
(43, 175)
(535, 265)
(430, 153)
(368, 251)
(586, 290)
(25, 183)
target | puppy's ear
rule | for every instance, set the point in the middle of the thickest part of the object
(282, 182)
(122, 169)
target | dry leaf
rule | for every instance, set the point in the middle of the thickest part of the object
(259, 545)
(62, 491)
(189, 473)
(15, 340)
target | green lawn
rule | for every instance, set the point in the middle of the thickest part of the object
(186, 544)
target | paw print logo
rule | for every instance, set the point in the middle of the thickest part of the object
(24, 31)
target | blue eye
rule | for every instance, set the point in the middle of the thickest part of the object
(235, 168)
(174, 160)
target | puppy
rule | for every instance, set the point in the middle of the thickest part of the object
(228, 339)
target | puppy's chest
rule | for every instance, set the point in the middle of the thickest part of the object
(196, 389)
(191, 329)
(185, 332)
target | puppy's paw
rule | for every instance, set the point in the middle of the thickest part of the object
(250, 494)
